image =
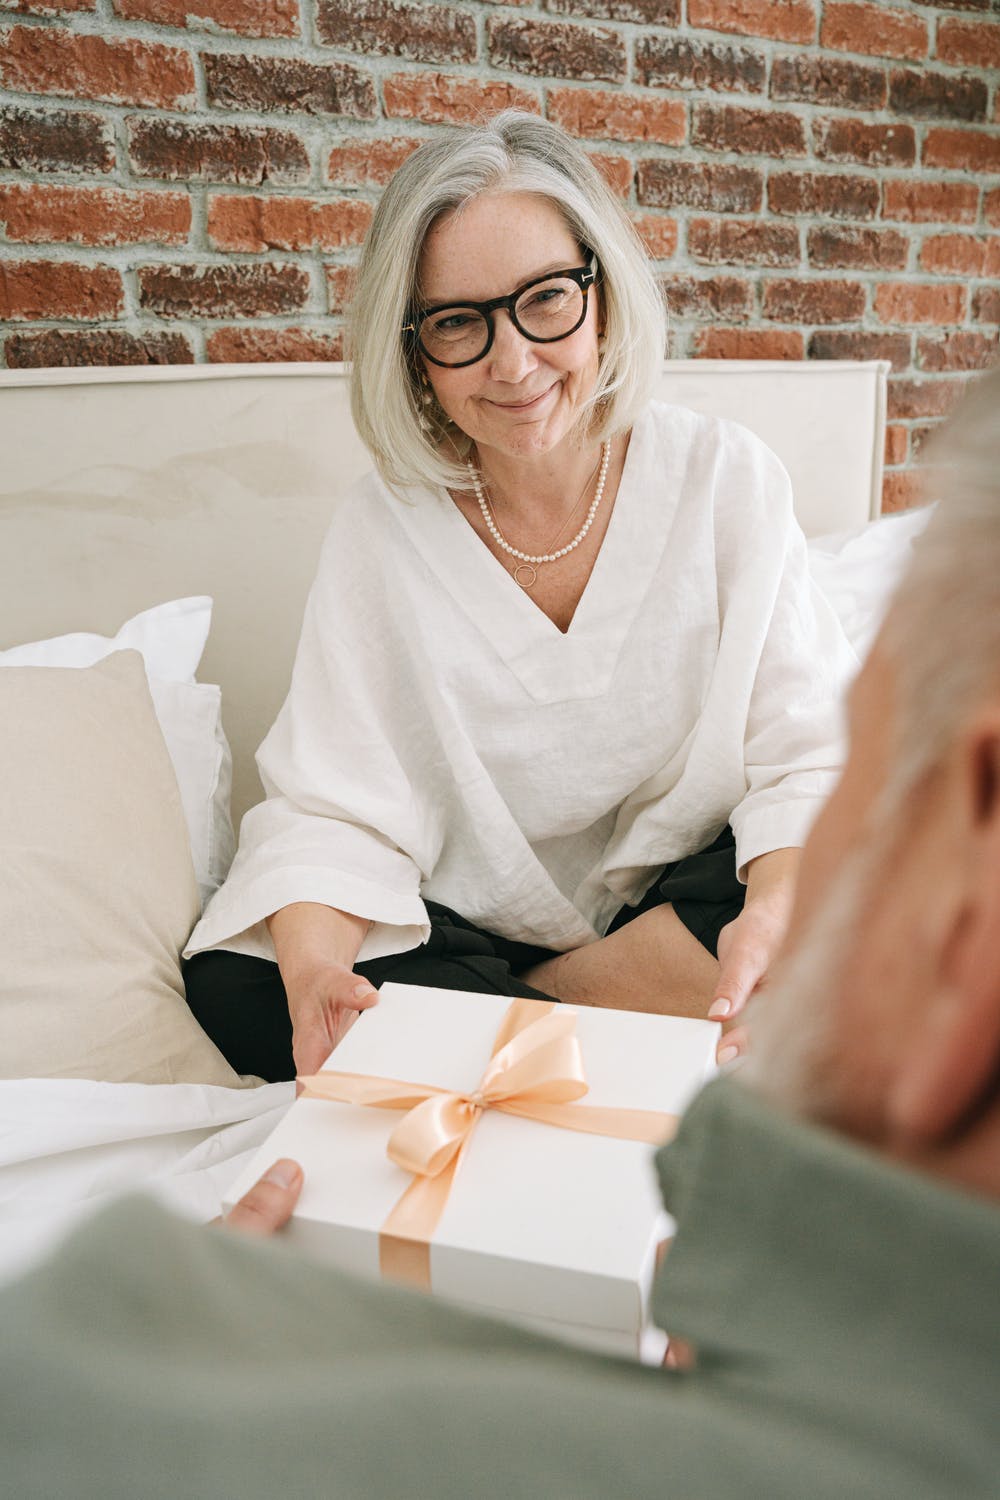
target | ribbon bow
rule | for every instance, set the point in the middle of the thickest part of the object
(535, 1070)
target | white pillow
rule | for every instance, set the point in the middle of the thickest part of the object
(170, 638)
(97, 888)
(859, 570)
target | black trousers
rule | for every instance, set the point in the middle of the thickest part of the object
(240, 1002)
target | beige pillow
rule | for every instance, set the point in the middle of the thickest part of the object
(97, 887)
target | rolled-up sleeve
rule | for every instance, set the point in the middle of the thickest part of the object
(796, 663)
(347, 821)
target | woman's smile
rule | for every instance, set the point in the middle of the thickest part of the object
(530, 404)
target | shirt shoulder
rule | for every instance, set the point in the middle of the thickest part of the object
(726, 465)
(363, 531)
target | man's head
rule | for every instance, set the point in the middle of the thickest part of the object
(884, 1017)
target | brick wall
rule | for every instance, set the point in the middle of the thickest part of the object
(189, 180)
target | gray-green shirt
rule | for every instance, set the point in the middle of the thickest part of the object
(846, 1314)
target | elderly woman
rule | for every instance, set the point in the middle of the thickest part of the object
(564, 695)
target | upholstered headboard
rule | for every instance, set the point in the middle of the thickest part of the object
(121, 488)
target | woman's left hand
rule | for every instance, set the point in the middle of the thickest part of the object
(748, 944)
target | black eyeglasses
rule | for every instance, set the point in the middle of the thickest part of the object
(544, 310)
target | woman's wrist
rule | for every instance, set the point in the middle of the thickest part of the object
(308, 935)
(771, 877)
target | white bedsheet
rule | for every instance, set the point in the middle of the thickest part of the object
(67, 1146)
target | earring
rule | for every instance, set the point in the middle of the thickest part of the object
(426, 399)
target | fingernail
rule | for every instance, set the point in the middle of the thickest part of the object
(719, 1008)
(283, 1174)
(727, 1055)
(361, 990)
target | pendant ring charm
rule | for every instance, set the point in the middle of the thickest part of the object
(525, 575)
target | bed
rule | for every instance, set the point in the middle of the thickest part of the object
(124, 491)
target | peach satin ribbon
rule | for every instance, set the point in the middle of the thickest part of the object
(536, 1071)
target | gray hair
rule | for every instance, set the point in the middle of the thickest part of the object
(513, 152)
(943, 630)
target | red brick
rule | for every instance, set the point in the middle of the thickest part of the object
(245, 155)
(785, 20)
(847, 248)
(961, 255)
(47, 7)
(677, 63)
(930, 202)
(991, 206)
(437, 99)
(920, 302)
(363, 161)
(239, 81)
(35, 215)
(422, 32)
(60, 347)
(745, 242)
(755, 132)
(242, 17)
(257, 224)
(58, 289)
(901, 490)
(56, 140)
(961, 4)
(876, 29)
(813, 301)
(828, 80)
(600, 114)
(651, 12)
(835, 194)
(748, 343)
(897, 443)
(986, 305)
(251, 346)
(841, 344)
(223, 291)
(40, 60)
(659, 235)
(973, 42)
(722, 188)
(841, 139)
(937, 96)
(616, 171)
(716, 297)
(340, 282)
(957, 351)
(962, 150)
(922, 398)
(556, 49)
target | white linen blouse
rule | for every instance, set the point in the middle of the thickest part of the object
(442, 738)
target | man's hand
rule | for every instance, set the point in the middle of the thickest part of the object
(324, 999)
(270, 1202)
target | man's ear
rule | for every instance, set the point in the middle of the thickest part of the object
(952, 1052)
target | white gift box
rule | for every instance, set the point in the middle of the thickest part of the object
(552, 1227)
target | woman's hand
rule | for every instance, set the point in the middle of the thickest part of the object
(324, 1000)
(316, 947)
(748, 944)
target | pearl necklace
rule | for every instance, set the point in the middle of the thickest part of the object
(528, 563)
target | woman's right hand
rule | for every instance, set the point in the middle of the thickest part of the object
(324, 1000)
(316, 947)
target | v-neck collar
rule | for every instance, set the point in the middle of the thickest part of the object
(553, 665)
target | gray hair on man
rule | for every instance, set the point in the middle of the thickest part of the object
(941, 639)
(942, 673)
(513, 152)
